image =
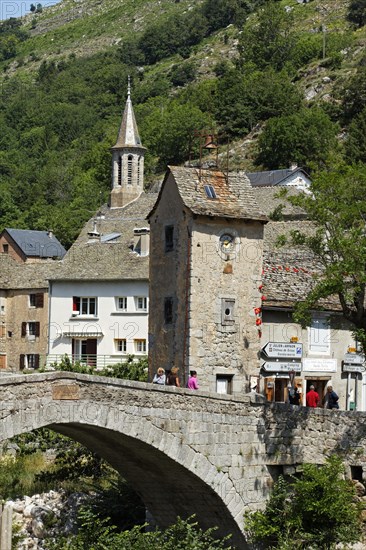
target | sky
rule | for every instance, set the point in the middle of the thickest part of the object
(17, 8)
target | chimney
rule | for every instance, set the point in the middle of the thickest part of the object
(293, 166)
(50, 234)
(141, 240)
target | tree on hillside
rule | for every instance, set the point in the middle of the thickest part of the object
(317, 510)
(338, 208)
(268, 40)
(356, 140)
(357, 12)
(306, 138)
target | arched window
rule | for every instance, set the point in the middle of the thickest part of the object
(119, 181)
(129, 169)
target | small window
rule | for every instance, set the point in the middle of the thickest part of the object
(121, 345)
(141, 303)
(32, 361)
(6, 248)
(122, 303)
(168, 311)
(84, 306)
(227, 311)
(169, 238)
(30, 330)
(224, 383)
(140, 345)
(36, 300)
(119, 180)
(210, 192)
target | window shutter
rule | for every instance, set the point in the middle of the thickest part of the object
(22, 361)
(37, 329)
(24, 329)
(39, 300)
(36, 361)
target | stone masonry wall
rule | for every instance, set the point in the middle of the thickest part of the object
(185, 452)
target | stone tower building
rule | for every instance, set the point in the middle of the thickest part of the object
(127, 160)
(206, 261)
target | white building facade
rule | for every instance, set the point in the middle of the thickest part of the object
(98, 322)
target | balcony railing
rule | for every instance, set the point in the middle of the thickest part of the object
(97, 361)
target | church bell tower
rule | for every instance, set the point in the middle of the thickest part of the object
(127, 160)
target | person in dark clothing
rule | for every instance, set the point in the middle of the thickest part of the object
(172, 378)
(294, 396)
(332, 402)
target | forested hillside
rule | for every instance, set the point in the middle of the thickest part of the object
(280, 82)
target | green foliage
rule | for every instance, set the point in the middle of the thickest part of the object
(353, 93)
(355, 145)
(130, 369)
(242, 100)
(317, 510)
(269, 39)
(97, 534)
(338, 208)
(18, 475)
(357, 12)
(183, 73)
(306, 138)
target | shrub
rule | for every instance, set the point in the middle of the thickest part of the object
(318, 510)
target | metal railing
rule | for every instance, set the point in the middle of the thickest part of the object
(91, 360)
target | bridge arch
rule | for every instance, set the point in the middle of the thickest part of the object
(151, 435)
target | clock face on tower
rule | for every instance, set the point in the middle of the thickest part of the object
(227, 242)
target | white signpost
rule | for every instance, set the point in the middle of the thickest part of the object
(283, 350)
(353, 368)
(281, 366)
(354, 359)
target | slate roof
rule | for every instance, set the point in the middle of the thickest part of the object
(91, 258)
(270, 199)
(234, 196)
(40, 244)
(273, 177)
(128, 135)
(15, 275)
(289, 272)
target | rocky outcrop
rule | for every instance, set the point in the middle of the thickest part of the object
(50, 515)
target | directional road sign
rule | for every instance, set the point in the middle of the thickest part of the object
(353, 368)
(281, 366)
(354, 358)
(283, 350)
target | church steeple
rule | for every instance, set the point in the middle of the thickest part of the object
(127, 159)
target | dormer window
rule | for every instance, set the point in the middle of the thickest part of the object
(210, 192)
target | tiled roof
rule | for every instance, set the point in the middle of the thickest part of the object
(272, 177)
(234, 195)
(40, 244)
(91, 258)
(271, 199)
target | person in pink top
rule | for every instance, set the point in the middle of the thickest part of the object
(312, 398)
(192, 383)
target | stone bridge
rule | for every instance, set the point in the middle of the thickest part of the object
(184, 452)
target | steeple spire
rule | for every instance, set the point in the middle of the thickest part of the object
(128, 159)
(128, 134)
